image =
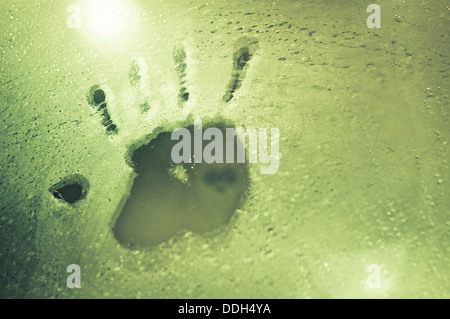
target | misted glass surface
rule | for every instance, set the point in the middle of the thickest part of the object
(354, 202)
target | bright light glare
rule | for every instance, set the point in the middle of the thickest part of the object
(107, 18)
